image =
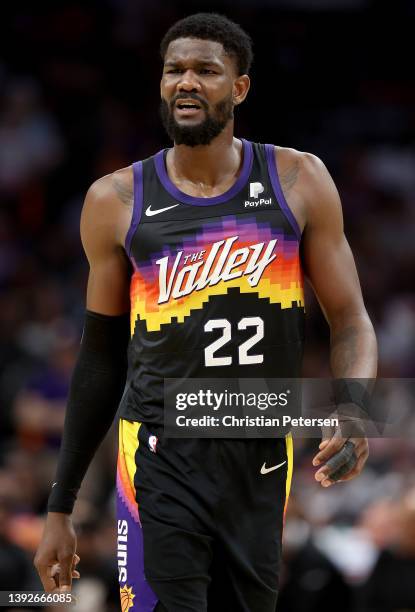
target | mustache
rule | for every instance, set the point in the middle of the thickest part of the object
(188, 96)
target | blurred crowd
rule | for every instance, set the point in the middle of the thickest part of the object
(79, 98)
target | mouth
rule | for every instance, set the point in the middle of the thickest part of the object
(187, 108)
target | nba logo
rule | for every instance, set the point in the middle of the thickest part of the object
(152, 443)
(255, 189)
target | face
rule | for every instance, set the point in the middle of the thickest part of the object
(199, 89)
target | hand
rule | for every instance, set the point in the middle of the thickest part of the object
(329, 447)
(56, 558)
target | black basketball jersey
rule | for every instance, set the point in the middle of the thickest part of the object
(217, 287)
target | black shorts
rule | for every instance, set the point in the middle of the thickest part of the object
(199, 521)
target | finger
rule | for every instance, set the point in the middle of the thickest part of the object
(333, 446)
(338, 464)
(47, 580)
(346, 454)
(75, 574)
(65, 573)
(327, 482)
(321, 446)
(350, 469)
(76, 559)
(344, 469)
(54, 570)
(332, 478)
(361, 447)
(357, 469)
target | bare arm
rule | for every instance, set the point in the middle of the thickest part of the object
(104, 219)
(331, 271)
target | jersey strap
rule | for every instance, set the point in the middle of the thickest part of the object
(276, 185)
(137, 203)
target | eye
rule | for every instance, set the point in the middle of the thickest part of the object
(173, 71)
(207, 71)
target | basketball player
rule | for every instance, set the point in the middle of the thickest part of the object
(194, 258)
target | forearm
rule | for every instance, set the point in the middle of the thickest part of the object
(96, 388)
(353, 347)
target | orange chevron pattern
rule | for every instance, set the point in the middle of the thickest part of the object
(281, 281)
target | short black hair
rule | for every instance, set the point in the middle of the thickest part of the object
(212, 26)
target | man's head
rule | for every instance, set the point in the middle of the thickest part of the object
(206, 58)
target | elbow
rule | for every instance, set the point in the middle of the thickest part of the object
(357, 318)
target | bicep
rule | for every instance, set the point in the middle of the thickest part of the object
(109, 269)
(108, 286)
(327, 257)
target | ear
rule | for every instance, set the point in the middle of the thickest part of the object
(240, 89)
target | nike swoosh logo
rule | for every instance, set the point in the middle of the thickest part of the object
(150, 212)
(265, 470)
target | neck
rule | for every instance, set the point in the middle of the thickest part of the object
(206, 165)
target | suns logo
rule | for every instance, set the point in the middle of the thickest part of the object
(127, 597)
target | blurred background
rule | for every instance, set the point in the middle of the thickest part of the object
(79, 98)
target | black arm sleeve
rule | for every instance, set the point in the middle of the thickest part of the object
(96, 388)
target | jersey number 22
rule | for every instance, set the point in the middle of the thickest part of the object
(225, 326)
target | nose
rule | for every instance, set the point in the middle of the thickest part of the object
(188, 82)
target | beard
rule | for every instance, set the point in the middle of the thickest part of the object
(204, 132)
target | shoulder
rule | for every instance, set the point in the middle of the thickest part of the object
(108, 204)
(304, 177)
(118, 185)
(308, 169)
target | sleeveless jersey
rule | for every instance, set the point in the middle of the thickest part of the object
(217, 287)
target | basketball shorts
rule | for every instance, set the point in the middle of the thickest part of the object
(199, 521)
